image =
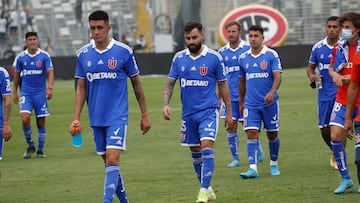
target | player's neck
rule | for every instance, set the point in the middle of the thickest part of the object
(256, 50)
(234, 45)
(32, 51)
(102, 45)
(332, 41)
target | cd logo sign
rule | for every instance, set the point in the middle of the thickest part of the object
(274, 23)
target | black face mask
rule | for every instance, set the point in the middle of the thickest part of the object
(194, 48)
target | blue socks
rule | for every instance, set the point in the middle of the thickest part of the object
(233, 144)
(28, 136)
(208, 167)
(111, 182)
(120, 190)
(41, 139)
(274, 146)
(340, 158)
(252, 150)
(114, 184)
(197, 163)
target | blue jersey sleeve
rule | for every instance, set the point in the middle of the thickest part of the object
(5, 84)
(131, 66)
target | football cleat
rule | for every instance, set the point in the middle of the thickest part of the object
(202, 196)
(27, 154)
(274, 170)
(234, 163)
(251, 173)
(211, 194)
(40, 154)
(344, 185)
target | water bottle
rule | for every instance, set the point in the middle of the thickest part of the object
(318, 82)
(77, 140)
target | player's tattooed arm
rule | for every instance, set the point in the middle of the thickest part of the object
(139, 93)
(168, 90)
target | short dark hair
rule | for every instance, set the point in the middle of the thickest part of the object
(30, 34)
(191, 25)
(332, 18)
(257, 28)
(99, 15)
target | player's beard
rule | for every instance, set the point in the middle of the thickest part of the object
(194, 48)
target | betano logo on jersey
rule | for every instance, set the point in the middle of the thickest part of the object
(256, 75)
(102, 75)
(275, 24)
(31, 72)
(193, 83)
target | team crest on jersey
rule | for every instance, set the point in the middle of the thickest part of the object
(112, 63)
(263, 65)
(39, 64)
(203, 70)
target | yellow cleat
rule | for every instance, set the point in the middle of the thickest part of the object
(211, 194)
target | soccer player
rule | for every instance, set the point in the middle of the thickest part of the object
(260, 71)
(198, 69)
(101, 71)
(5, 110)
(231, 53)
(320, 57)
(35, 66)
(351, 97)
(340, 70)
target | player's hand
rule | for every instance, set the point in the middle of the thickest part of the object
(145, 123)
(75, 127)
(229, 123)
(15, 98)
(49, 93)
(6, 132)
(166, 112)
(314, 78)
(337, 79)
(269, 98)
(348, 129)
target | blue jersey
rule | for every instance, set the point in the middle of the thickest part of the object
(321, 55)
(258, 73)
(105, 73)
(5, 88)
(231, 57)
(198, 77)
(33, 69)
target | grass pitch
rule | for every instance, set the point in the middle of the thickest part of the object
(157, 169)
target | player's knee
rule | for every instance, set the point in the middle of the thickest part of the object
(272, 135)
(252, 134)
